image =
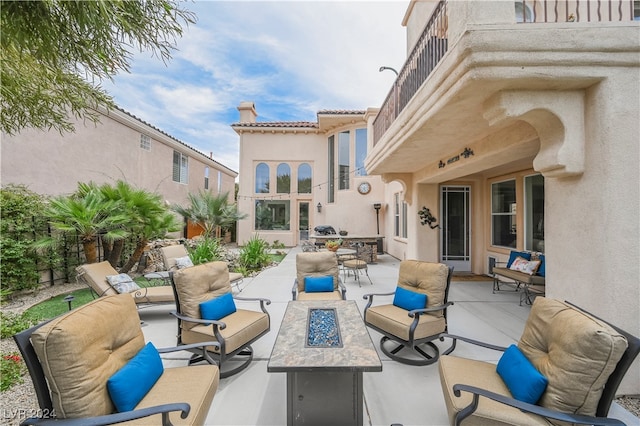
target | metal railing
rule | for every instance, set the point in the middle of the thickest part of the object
(433, 44)
(429, 49)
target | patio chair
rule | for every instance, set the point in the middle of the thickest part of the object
(566, 367)
(318, 277)
(91, 366)
(417, 316)
(177, 257)
(206, 311)
(97, 275)
(356, 265)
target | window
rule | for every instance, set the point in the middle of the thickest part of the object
(523, 12)
(219, 181)
(343, 160)
(283, 180)
(145, 142)
(396, 214)
(272, 215)
(206, 177)
(534, 213)
(262, 179)
(503, 214)
(332, 170)
(304, 179)
(361, 151)
(180, 167)
(404, 232)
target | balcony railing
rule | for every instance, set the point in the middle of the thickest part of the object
(432, 44)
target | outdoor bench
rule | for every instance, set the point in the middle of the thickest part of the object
(532, 281)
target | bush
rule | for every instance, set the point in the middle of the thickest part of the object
(14, 323)
(206, 250)
(12, 369)
(254, 255)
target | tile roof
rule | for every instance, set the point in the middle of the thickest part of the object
(298, 124)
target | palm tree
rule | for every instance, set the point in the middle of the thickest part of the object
(212, 212)
(87, 214)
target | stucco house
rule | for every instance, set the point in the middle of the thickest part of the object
(514, 123)
(120, 147)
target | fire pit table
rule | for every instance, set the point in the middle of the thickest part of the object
(324, 347)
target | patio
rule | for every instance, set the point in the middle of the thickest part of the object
(400, 393)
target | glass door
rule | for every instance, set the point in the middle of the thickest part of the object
(456, 227)
(303, 221)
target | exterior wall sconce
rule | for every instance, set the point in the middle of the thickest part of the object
(377, 207)
(426, 218)
(319, 207)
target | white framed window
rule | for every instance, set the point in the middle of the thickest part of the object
(503, 214)
(180, 167)
(145, 142)
(396, 214)
(206, 177)
(404, 232)
(534, 213)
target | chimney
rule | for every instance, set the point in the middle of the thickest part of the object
(248, 112)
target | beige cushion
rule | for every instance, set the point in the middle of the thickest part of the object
(159, 294)
(519, 276)
(575, 351)
(235, 276)
(454, 370)
(195, 385)
(82, 349)
(425, 277)
(396, 321)
(316, 264)
(320, 295)
(95, 276)
(198, 284)
(171, 253)
(242, 326)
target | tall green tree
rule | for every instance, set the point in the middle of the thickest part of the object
(55, 53)
(212, 212)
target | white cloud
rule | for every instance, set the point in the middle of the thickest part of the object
(292, 58)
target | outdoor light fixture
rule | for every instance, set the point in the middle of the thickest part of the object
(69, 299)
(319, 207)
(388, 68)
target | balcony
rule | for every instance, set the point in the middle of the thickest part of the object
(441, 101)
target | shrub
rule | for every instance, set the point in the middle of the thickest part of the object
(254, 255)
(12, 369)
(14, 323)
(206, 250)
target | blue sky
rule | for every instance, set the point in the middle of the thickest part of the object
(291, 58)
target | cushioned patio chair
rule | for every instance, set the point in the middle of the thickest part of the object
(566, 367)
(206, 311)
(97, 276)
(91, 366)
(356, 264)
(417, 316)
(318, 277)
(177, 257)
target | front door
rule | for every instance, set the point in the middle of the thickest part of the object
(456, 227)
(303, 221)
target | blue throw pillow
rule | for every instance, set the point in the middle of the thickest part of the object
(541, 271)
(514, 254)
(318, 284)
(218, 307)
(133, 381)
(523, 380)
(409, 300)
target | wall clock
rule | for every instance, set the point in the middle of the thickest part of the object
(364, 188)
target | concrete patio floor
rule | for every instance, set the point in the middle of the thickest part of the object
(399, 394)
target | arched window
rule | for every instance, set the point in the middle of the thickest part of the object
(284, 179)
(304, 179)
(262, 178)
(524, 12)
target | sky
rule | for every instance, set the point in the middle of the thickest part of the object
(291, 58)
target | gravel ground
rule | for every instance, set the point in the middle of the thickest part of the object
(20, 401)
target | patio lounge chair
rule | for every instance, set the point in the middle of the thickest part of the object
(206, 311)
(91, 366)
(581, 358)
(174, 255)
(318, 277)
(418, 314)
(95, 275)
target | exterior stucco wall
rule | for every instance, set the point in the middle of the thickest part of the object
(52, 164)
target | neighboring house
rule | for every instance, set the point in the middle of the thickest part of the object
(120, 147)
(298, 175)
(515, 123)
